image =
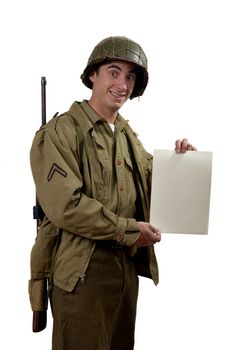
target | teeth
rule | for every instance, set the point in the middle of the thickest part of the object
(117, 95)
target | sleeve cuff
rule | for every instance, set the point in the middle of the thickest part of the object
(127, 231)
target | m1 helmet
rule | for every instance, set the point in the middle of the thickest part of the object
(123, 49)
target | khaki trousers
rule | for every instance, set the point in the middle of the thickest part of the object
(100, 313)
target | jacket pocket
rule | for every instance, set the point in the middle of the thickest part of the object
(44, 250)
(101, 179)
(101, 169)
(130, 178)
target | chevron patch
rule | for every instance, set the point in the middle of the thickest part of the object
(55, 168)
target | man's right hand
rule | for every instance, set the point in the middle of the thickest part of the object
(148, 235)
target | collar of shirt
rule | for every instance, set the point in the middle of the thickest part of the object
(120, 122)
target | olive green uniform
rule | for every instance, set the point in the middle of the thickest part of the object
(93, 185)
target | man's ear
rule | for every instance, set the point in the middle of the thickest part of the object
(92, 76)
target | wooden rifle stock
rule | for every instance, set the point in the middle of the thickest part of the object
(39, 321)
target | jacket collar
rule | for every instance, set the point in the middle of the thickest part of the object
(79, 108)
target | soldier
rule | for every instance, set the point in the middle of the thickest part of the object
(93, 181)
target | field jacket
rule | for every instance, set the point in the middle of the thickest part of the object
(70, 174)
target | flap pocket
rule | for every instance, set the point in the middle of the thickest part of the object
(128, 162)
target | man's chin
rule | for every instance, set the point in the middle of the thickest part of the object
(118, 103)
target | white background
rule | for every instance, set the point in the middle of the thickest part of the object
(188, 44)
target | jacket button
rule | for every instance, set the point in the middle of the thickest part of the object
(65, 282)
(119, 162)
(119, 237)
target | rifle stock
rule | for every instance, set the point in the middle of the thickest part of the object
(39, 321)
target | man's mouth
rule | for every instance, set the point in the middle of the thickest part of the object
(117, 94)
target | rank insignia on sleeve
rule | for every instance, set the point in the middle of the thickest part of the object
(56, 168)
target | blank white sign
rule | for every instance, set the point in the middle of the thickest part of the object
(181, 186)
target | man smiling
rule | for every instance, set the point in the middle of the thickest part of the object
(113, 84)
(93, 180)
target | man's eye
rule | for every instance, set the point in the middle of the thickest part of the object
(114, 73)
(131, 77)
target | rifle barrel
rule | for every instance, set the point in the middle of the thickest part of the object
(43, 99)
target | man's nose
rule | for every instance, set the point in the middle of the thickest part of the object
(122, 83)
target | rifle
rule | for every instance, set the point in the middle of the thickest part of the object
(38, 288)
(38, 213)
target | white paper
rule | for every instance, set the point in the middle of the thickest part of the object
(181, 186)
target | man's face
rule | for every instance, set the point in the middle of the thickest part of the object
(113, 84)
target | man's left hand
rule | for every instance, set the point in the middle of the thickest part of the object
(183, 145)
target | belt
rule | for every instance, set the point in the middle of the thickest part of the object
(110, 244)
